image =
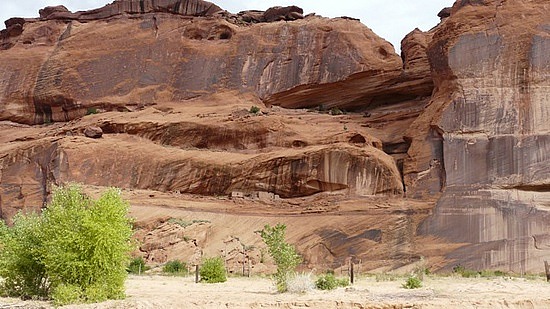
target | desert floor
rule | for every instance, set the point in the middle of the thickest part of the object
(437, 292)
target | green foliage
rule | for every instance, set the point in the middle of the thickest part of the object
(285, 256)
(91, 111)
(137, 266)
(21, 246)
(175, 267)
(76, 251)
(64, 294)
(329, 282)
(254, 109)
(412, 282)
(213, 270)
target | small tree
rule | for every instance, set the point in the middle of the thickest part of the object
(285, 256)
(213, 270)
(77, 250)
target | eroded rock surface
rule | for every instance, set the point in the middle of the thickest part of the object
(489, 133)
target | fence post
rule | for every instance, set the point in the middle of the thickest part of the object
(547, 269)
(196, 273)
(351, 275)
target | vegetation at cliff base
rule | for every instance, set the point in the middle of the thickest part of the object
(76, 250)
(285, 256)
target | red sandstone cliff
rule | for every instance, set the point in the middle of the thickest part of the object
(458, 119)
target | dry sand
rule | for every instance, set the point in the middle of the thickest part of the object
(438, 292)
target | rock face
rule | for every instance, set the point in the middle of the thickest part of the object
(488, 134)
(171, 57)
(118, 7)
(452, 135)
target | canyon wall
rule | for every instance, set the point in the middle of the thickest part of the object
(488, 118)
(459, 119)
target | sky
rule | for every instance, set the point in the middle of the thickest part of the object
(390, 19)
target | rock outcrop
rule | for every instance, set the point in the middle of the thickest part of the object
(173, 57)
(488, 135)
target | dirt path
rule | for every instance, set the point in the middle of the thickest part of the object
(182, 292)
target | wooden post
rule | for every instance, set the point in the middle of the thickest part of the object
(196, 273)
(351, 275)
(547, 268)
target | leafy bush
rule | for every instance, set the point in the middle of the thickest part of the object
(285, 256)
(329, 282)
(175, 267)
(412, 282)
(21, 267)
(300, 283)
(76, 251)
(254, 109)
(213, 270)
(137, 266)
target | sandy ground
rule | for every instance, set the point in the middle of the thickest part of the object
(438, 292)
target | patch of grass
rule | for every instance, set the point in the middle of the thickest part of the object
(300, 283)
(254, 109)
(412, 282)
(383, 277)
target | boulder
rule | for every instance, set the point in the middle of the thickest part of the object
(283, 13)
(93, 132)
(444, 13)
(46, 12)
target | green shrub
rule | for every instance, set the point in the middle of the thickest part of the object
(91, 111)
(412, 283)
(21, 265)
(254, 109)
(326, 282)
(77, 249)
(175, 267)
(285, 256)
(329, 282)
(213, 270)
(137, 266)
